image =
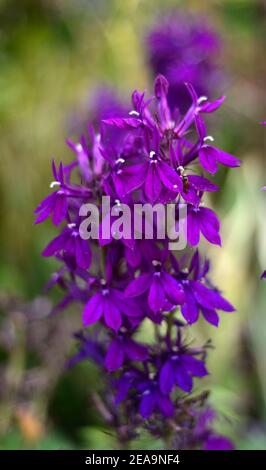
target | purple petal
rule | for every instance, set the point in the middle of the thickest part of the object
(93, 310)
(202, 184)
(60, 209)
(167, 378)
(193, 230)
(115, 356)
(173, 289)
(194, 366)
(83, 253)
(135, 351)
(216, 442)
(147, 404)
(210, 106)
(207, 158)
(112, 316)
(55, 245)
(183, 379)
(210, 225)
(210, 298)
(169, 177)
(156, 298)
(211, 316)
(138, 286)
(166, 406)
(190, 309)
(226, 158)
(123, 123)
(152, 184)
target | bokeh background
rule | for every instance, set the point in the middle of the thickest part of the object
(52, 55)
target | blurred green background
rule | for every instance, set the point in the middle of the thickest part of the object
(52, 55)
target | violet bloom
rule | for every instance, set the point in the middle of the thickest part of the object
(162, 288)
(185, 48)
(71, 245)
(110, 304)
(179, 369)
(200, 295)
(151, 154)
(152, 400)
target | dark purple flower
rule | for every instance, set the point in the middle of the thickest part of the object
(71, 245)
(122, 348)
(202, 220)
(110, 304)
(185, 48)
(152, 400)
(162, 288)
(179, 369)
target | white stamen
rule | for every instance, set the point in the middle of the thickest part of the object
(175, 186)
(55, 183)
(152, 154)
(201, 99)
(79, 148)
(181, 169)
(156, 263)
(133, 113)
(208, 137)
(120, 160)
(71, 225)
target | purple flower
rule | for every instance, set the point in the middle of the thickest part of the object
(185, 48)
(145, 155)
(200, 295)
(179, 369)
(109, 304)
(202, 220)
(162, 288)
(152, 400)
(72, 246)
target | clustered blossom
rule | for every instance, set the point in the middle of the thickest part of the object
(150, 155)
(184, 48)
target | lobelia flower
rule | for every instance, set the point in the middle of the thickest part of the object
(179, 369)
(150, 154)
(163, 288)
(184, 48)
(200, 295)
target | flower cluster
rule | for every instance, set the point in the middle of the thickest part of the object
(184, 48)
(150, 155)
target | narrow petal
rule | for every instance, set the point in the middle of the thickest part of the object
(193, 230)
(156, 298)
(210, 298)
(183, 379)
(190, 309)
(211, 316)
(147, 404)
(138, 286)
(167, 378)
(152, 184)
(166, 406)
(226, 158)
(115, 356)
(93, 310)
(173, 289)
(210, 225)
(207, 158)
(112, 316)
(194, 366)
